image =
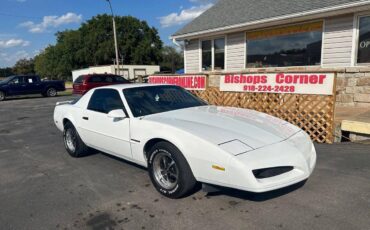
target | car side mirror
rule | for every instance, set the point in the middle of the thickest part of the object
(117, 114)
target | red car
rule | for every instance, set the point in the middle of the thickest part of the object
(89, 81)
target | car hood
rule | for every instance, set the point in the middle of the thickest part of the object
(224, 124)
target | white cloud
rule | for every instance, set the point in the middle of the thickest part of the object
(51, 21)
(184, 15)
(13, 43)
(9, 59)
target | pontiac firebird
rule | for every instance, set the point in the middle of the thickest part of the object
(183, 141)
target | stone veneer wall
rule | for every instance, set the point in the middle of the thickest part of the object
(352, 86)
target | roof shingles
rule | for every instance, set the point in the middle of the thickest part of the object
(232, 12)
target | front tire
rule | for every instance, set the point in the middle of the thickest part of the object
(169, 171)
(72, 141)
(2, 96)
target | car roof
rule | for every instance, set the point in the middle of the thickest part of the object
(129, 86)
(100, 75)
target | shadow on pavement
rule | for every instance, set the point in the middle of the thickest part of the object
(258, 197)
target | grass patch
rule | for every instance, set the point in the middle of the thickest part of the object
(68, 92)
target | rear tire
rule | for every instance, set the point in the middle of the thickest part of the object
(72, 141)
(2, 96)
(51, 92)
(169, 171)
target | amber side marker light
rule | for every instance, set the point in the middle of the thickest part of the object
(218, 167)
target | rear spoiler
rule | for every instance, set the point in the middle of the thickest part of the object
(63, 103)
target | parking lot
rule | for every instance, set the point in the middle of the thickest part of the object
(41, 187)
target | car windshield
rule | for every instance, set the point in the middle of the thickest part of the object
(157, 99)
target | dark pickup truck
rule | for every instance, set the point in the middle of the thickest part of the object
(31, 84)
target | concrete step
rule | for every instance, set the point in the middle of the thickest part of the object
(353, 123)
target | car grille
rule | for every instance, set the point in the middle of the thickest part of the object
(270, 172)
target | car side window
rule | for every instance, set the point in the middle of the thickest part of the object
(120, 79)
(105, 100)
(16, 80)
(96, 79)
(108, 79)
(30, 80)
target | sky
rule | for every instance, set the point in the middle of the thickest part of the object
(28, 26)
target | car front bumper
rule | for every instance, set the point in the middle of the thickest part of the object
(299, 153)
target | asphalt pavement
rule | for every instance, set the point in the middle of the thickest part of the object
(42, 187)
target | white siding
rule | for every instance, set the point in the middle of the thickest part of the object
(192, 56)
(235, 50)
(337, 43)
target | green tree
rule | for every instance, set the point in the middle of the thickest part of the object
(172, 59)
(6, 72)
(47, 63)
(92, 44)
(24, 66)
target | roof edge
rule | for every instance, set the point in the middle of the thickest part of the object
(284, 17)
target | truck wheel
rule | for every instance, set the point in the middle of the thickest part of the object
(51, 92)
(72, 141)
(2, 96)
(169, 171)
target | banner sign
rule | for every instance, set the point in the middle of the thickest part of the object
(296, 83)
(189, 82)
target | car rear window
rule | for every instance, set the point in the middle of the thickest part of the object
(79, 80)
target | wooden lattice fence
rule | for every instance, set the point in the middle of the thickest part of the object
(312, 113)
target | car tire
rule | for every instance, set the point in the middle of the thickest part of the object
(51, 92)
(169, 171)
(72, 141)
(2, 96)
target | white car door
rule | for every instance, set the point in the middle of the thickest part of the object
(101, 132)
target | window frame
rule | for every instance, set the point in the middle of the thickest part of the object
(212, 39)
(356, 39)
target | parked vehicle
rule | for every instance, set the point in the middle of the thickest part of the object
(29, 84)
(86, 82)
(182, 140)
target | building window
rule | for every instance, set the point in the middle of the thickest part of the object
(213, 54)
(363, 47)
(219, 56)
(207, 55)
(289, 46)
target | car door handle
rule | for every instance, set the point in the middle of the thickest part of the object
(85, 118)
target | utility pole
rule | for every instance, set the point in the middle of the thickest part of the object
(115, 38)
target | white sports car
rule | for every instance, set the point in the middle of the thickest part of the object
(182, 140)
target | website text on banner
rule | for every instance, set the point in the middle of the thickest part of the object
(296, 83)
(189, 82)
